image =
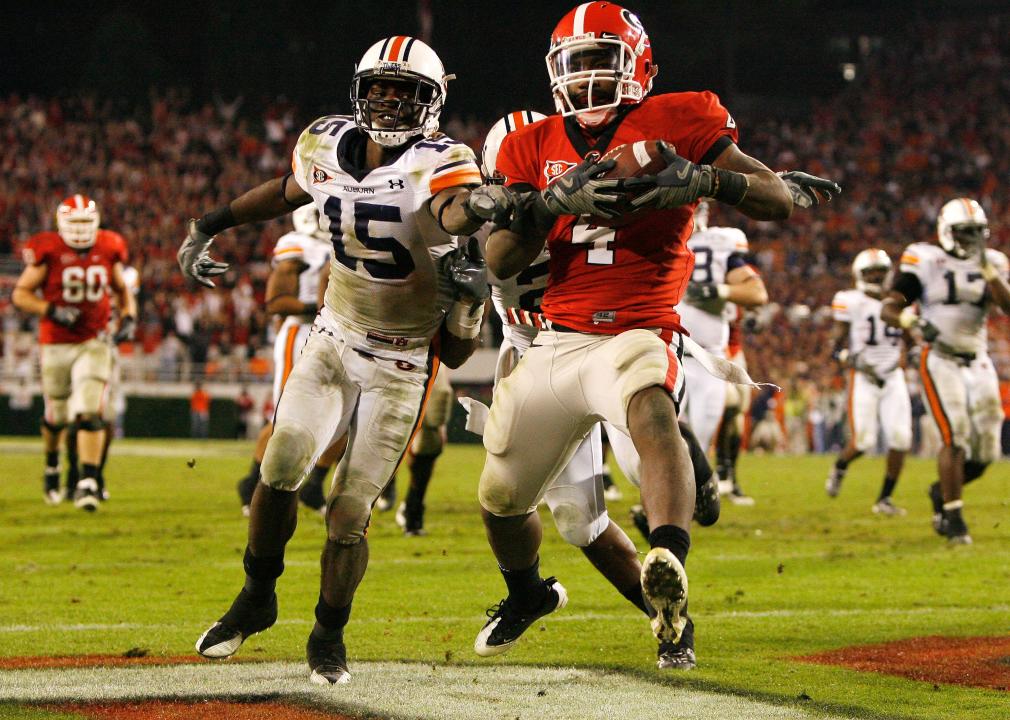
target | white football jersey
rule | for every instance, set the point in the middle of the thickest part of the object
(520, 293)
(383, 276)
(717, 250)
(955, 296)
(312, 253)
(878, 345)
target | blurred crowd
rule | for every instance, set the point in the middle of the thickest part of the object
(925, 118)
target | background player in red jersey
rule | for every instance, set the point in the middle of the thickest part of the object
(612, 344)
(76, 269)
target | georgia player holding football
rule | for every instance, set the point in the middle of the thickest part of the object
(400, 299)
(605, 350)
(76, 269)
(955, 284)
(577, 497)
(878, 395)
(292, 294)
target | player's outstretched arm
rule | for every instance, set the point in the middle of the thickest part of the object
(272, 199)
(452, 211)
(766, 197)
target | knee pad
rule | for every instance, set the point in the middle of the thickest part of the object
(90, 422)
(428, 441)
(576, 524)
(288, 456)
(497, 494)
(642, 359)
(347, 519)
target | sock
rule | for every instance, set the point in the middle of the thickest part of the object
(841, 465)
(89, 471)
(675, 539)
(254, 470)
(953, 505)
(734, 452)
(526, 587)
(330, 621)
(261, 573)
(634, 595)
(608, 481)
(53, 461)
(888, 487)
(973, 470)
(421, 469)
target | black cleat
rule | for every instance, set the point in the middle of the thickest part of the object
(954, 528)
(311, 495)
(707, 504)
(506, 623)
(678, 655)
(245, 617)
(328, 661)
(86, 495)
(246, 488)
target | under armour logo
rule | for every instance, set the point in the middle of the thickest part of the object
(395, 184)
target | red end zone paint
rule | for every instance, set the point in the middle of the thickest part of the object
(211, 710)
(81, 661)
(976, 662)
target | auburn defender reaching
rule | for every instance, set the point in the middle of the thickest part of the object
(76, 268)
(605, 351)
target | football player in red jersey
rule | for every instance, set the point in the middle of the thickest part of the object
(612, 343)
(76, 268)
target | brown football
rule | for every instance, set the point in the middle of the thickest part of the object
(636, 159)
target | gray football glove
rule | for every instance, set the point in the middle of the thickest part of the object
(809, 190)
(194, 260)
(466, 270)
(491, 202)
(63, 315)
(579, 192)
(680, 183)
(127, 329)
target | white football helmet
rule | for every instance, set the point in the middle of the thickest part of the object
(77, 221)
(497, 133)
(701, 217)
(961, 227)
(392, 122)
(307, 221)
(871, 259)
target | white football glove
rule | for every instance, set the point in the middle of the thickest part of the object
(194, 260)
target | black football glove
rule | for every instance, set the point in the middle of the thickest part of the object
(580, 192)
(63, 315)
(127, 329)
(196, 263)
(930, 332)
(703, 292)
(809, 190)
(491, 202)
(466, 270)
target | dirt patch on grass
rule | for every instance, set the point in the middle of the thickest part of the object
(210, 710)
(85, 661)
(976, 662)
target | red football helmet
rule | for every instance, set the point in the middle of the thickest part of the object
(600, 58)
(77, 221)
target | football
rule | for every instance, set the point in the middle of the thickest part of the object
(636, 159)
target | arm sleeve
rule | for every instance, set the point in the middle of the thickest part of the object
(840, 309)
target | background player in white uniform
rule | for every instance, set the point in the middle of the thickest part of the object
(400, 298)
(878, 395)
(723, 280)
(955, 284)
(293, 294)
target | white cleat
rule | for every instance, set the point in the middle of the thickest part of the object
(664, 584)
(86, 495)
(884, 506)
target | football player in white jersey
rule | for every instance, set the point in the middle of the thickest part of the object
(292, 294)
(576, 498)
(878, 396)
(401, 298)
(723, 281)
(955, 283)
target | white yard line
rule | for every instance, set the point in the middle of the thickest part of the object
(399, 690)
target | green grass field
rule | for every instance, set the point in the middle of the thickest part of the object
(795, 574)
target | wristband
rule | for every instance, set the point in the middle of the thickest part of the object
(464, 318)
(908, 318)
(216, 220)
(309, 308)
(284, 193)
(468, 211)
(989, 272)
(730, 187)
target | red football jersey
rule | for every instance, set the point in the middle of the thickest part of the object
(76, 277)
(608, 280)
